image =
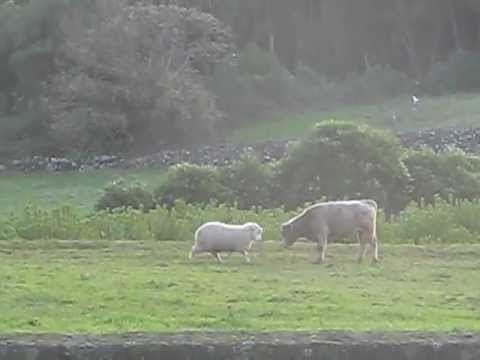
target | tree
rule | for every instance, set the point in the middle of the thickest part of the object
(132, 75)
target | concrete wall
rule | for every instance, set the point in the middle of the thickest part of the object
(242, 346)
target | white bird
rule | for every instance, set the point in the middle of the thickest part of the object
(415, 101)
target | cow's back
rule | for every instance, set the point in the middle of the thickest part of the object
(341, 218)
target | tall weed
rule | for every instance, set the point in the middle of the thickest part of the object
(443, 222)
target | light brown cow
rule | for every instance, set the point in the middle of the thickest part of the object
(332, 220)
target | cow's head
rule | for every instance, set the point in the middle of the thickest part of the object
(255, 230)
(288, 235)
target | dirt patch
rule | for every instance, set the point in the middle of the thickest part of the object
(260, 346)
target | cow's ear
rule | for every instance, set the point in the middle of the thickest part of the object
(286, 227)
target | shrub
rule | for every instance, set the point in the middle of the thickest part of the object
(442, 223)
(250, 183)
(341, 159)
(121, 195)
(451, 174)
(193, 184)
(36, 223)
(460, 72)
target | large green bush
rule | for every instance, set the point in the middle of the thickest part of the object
(245, 183)
(344, 160)
(192, 183)
(449, 174)
(250, 183)
(121, 195)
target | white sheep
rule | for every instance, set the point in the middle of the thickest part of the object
(216, 237)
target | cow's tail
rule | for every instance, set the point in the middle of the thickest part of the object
(373, 220)
(192, 252)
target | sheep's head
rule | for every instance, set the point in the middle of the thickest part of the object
(255, 230)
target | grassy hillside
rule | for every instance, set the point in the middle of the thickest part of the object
(53, 189)
(397, 114)
(115, 287)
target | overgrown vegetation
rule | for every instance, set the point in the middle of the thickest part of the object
(443, 223)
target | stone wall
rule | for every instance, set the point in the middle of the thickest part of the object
(221, 154)
(242, 346)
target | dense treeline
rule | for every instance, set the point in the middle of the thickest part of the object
(110, 76)
(341, 36)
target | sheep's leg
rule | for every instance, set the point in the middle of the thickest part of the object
(245, 254)
(217, 256)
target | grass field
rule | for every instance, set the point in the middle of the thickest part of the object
(432, 112)
(50, 190)
(127, 286)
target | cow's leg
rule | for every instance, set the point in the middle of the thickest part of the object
(362, 247)
(322, 248)
(217, 256)
(368, 237)
(245, 254)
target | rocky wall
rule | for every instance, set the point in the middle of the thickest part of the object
(467, 139)
(242, 346)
